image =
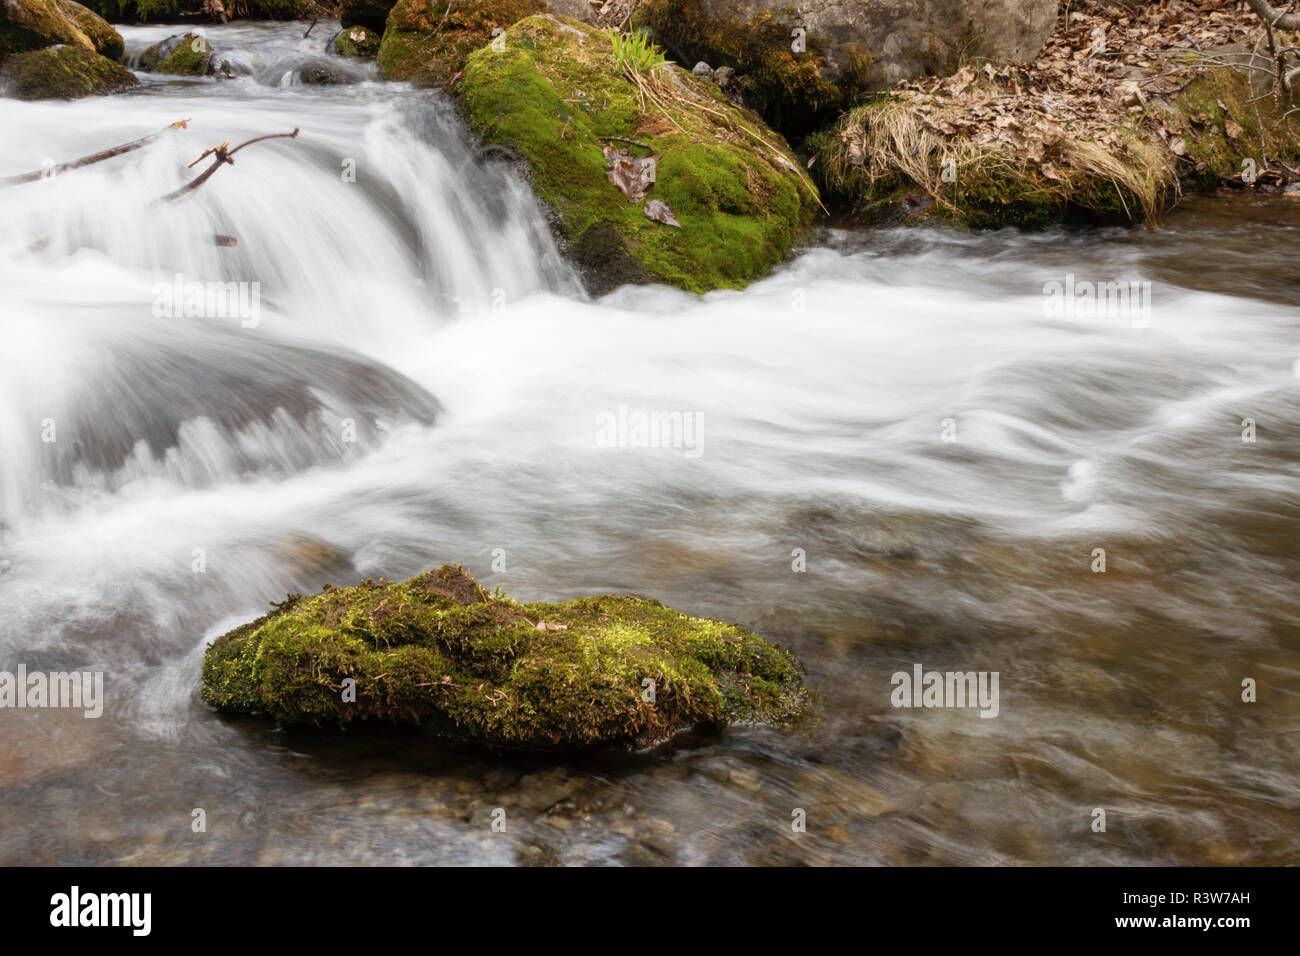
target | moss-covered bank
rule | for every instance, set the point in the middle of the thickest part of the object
(438, 650)
(427, 42)
(892, 158)
(63, 72)
(1230, 121)
(908, 157)
(554, 95)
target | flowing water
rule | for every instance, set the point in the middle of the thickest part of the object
(898, 412)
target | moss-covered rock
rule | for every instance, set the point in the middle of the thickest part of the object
(107, 41)
(63, 72)
(439, 651)
(357, 41)
(34, 24)
(554, 95)
(427, 42)
(187, 54)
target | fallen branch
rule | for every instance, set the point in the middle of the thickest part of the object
(92, 158)
(221, 156)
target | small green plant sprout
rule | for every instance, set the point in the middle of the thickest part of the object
(635, 55)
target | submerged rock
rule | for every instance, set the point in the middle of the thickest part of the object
(321, 71)
(187, 54)
(438, 650)
(357, 41)
(552, 92)
(63, 72)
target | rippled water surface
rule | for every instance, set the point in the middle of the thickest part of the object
(426, 305)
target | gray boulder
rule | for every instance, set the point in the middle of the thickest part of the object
(801, 64)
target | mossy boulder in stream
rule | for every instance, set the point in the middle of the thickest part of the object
(357, 41)
(34, 24)
(439, 651)
(427, 41)
(552, 93)
(187, 54)
(63, 72)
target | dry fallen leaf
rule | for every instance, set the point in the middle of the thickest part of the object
(634, 175)
(659, 211)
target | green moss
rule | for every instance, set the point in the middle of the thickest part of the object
(34, 24)
(188, 54)
(64, 72)
(786, 88)
(357, 41)
(428, 41)
(15, 39)
(107, 41)
(552, 95)
(1206, 106)
(438, 650)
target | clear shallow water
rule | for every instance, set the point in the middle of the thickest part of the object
(425, 303)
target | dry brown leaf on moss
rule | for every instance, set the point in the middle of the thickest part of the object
(659, 211)
(633, 175)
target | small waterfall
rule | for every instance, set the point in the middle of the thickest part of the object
(352, 243)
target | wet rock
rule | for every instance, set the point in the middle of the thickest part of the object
(106, 40)
(538, 792)
(35, 24)
(63, 72)
(438, 650)
(186, 54)
(319, 71)
(740, 204)
(703, 70)
(357, 41)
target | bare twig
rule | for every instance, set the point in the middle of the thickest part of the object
(221, 156)
(92, 158)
